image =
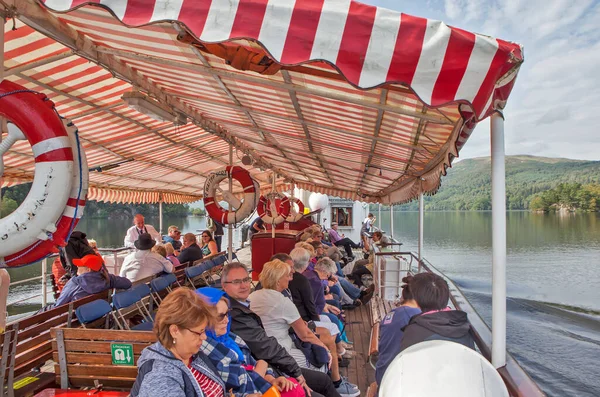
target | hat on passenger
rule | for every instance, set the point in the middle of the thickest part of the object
(144, 242)
(94, 262)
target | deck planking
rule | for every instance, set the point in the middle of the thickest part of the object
(358, 329)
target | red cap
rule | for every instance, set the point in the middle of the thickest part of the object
(94, 262)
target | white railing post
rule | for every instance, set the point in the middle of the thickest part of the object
(391, 223)
(421, 211)
(44, 283)
(498, 242)
(379, 216)
(160, 216)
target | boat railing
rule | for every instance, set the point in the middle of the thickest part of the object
(391, 265)
(45, 276)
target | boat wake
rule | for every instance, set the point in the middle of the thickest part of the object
(558, 345)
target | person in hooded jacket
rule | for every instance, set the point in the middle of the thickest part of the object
(77, 247)
(92, 278)
(436, 321)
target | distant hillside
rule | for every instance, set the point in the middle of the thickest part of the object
(468, 183)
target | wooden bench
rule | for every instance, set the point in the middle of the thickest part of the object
(84, 358)
(379, 309)
(372, 390)
(26, 345)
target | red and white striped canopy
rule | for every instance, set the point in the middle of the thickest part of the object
(336, 96)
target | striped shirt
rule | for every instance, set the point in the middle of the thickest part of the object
(209, 387)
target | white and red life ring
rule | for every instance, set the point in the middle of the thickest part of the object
(48, 214)
(295, 216)
(271, 213)
(215, 211)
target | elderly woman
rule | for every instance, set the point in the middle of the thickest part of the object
(279, 313)
(208, 244)
(232, 357)
(175, 366)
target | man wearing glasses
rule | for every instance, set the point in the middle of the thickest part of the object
(247, 324)
(174, 237)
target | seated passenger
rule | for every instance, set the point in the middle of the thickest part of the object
(342, 241)
(390, 329)
(246, 324)
(92, 278)
(77, 247)
(171, 255)
(175, 366)
(354, 296)
(190, 252)
(437, 321)
(209, 245)
(173, 237)
(232, 357)
(143, 262)
(278, 314)
(317, 235)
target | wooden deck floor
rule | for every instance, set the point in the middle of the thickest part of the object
(358, 329)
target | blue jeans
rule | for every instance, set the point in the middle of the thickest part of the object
(339, 272)
(352, 290)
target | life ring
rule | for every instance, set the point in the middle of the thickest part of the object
(215, 211)
(73, 210)
(295, 216)
(282, 211)
(35, 221)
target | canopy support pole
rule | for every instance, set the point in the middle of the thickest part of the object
(498, 241)
(230, 226)
(379, 216)
(160, 214)
(391, 223)
(421, 210)
(272, 215)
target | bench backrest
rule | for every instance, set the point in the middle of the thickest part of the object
(26, 343)
(84, 356)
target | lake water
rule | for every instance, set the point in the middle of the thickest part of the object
(552, 260)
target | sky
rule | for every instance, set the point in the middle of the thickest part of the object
(554, 109)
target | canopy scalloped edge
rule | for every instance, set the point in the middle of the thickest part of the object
(369, 46)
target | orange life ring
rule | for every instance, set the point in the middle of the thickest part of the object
(215, 211)
(295, 216)
(56, 199)
(283, 209)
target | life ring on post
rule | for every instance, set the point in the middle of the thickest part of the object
(245, 208)
(269, 212)
(295, 216)
(34, 230)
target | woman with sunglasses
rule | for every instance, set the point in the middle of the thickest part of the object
(209, 245)
(232, 357)
(175, 365)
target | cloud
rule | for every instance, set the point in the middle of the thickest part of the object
(552, 110)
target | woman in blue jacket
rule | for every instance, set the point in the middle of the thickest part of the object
(92, 278)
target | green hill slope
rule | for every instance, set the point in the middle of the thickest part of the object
(468, 183)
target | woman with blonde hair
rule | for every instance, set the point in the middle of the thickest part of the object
(171, 254)
(175, 365)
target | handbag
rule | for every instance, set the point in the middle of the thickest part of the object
(315, 354)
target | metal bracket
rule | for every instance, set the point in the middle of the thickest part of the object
(62, 359)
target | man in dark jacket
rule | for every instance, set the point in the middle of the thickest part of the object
(246, 324)
(437, 321)
(77, 247)
(191, 251)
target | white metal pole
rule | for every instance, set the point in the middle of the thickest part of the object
(498, 242)
(273, 215)
(160, 215)
(392, 223)
(421, 210)
(44, 283)
(230, 226)
(379, 216)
